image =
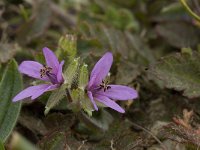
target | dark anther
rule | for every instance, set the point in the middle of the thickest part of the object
(104, 85)
(45, 71)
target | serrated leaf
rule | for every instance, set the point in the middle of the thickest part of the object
(10, 85)
(71, 72)
(55, 98)
(181, 72)
(1, 146)
(67, 47)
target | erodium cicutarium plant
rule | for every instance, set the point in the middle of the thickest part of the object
(97, 89)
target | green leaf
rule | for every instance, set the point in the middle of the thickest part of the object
(10, 85)
(181, 72)
(1, 146)
(55, 98)
(67, 47)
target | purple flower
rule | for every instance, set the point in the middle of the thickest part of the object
(51, 73)
(99, 90)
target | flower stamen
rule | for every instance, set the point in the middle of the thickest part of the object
(104, 85)
(45, 71)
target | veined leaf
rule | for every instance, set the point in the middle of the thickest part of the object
(10, 85)
(181, 72)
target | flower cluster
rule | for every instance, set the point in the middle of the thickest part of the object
(97, 88)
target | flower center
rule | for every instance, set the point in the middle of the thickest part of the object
(104, 85)
(45, 71)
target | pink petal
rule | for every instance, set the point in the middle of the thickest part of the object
(30, 91)
(59, 74)
(51, 59)
(120, 92)
(32, 69)
(101, 69)
(108, 102)
(47, 88)
(92, 100)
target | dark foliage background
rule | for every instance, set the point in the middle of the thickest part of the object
(155, 44)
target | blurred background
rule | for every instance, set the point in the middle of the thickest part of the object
(139, 33)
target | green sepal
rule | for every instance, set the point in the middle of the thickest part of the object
(87, 105)
(83, 77)
(80, 101)
(55, 98)
(75, 96)
(67, 47)
(71, 72)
